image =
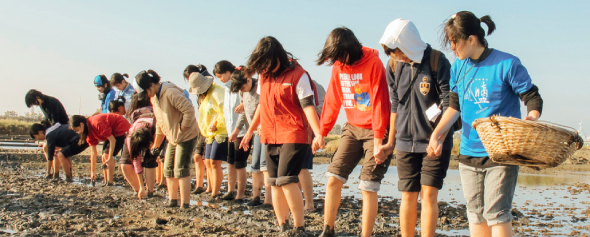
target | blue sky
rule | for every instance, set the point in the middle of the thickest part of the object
(59, 46)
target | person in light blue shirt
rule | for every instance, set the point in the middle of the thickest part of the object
(237, 158)
(123, 88)
(484, 82)
(107, 94)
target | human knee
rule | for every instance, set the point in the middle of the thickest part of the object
(215, 165)
(334, 183)
(197, 158)
(410, 197)
(429, 194)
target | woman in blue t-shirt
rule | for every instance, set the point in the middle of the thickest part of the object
(484, 82)
(106, 93)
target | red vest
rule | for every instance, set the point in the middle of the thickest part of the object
(282, 119)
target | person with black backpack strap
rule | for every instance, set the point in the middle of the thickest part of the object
(418, 79)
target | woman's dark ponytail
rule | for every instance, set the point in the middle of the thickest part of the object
(75, 122)
(140, 140)
(154, 75)
(465, 24)
(146, 78)
(487, 19)
(117, 78)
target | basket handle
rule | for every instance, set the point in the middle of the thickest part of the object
(577, 138)
(559, 125)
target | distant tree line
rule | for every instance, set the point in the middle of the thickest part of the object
(28, 116)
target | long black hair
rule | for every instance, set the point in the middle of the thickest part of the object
(269, 53)
(75, 122)
(138, 100)
(342, 46)
(140, 141)
(465, 24)
(117, 78)
(238, 79)
(31, 97)
(36, 127)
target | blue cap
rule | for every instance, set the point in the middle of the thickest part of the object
(98, 81)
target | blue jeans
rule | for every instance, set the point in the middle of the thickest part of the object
(489, 192)
(258, 154)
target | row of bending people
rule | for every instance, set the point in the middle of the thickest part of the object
(411, 106)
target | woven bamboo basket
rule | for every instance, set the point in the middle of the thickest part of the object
(515, 141)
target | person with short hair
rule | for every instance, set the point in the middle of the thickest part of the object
(61, 142)
(237, 158)
(52, 109)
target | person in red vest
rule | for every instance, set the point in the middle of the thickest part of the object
(359, 85)
(286, 112)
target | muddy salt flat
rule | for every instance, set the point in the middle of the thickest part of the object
(31, 205)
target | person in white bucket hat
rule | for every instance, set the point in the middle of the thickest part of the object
(212, 125)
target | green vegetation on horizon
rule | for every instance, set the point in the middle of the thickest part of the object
(14, 127)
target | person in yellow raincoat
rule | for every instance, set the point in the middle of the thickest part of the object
(212, 125)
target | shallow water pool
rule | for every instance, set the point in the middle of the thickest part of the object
(544, 199)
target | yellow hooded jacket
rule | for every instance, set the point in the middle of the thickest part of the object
(210, 110)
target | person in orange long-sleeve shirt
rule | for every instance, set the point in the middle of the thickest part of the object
(359, 85)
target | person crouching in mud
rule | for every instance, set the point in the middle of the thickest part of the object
(51, 107)
(139, 142)
(137, 159)
(110, 128)
(61, 142)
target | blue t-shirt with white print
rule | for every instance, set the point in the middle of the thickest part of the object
(491, 87)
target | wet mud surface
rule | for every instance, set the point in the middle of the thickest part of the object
(31, 205)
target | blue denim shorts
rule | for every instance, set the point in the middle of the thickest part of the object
(489, 192)
(258, 154)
